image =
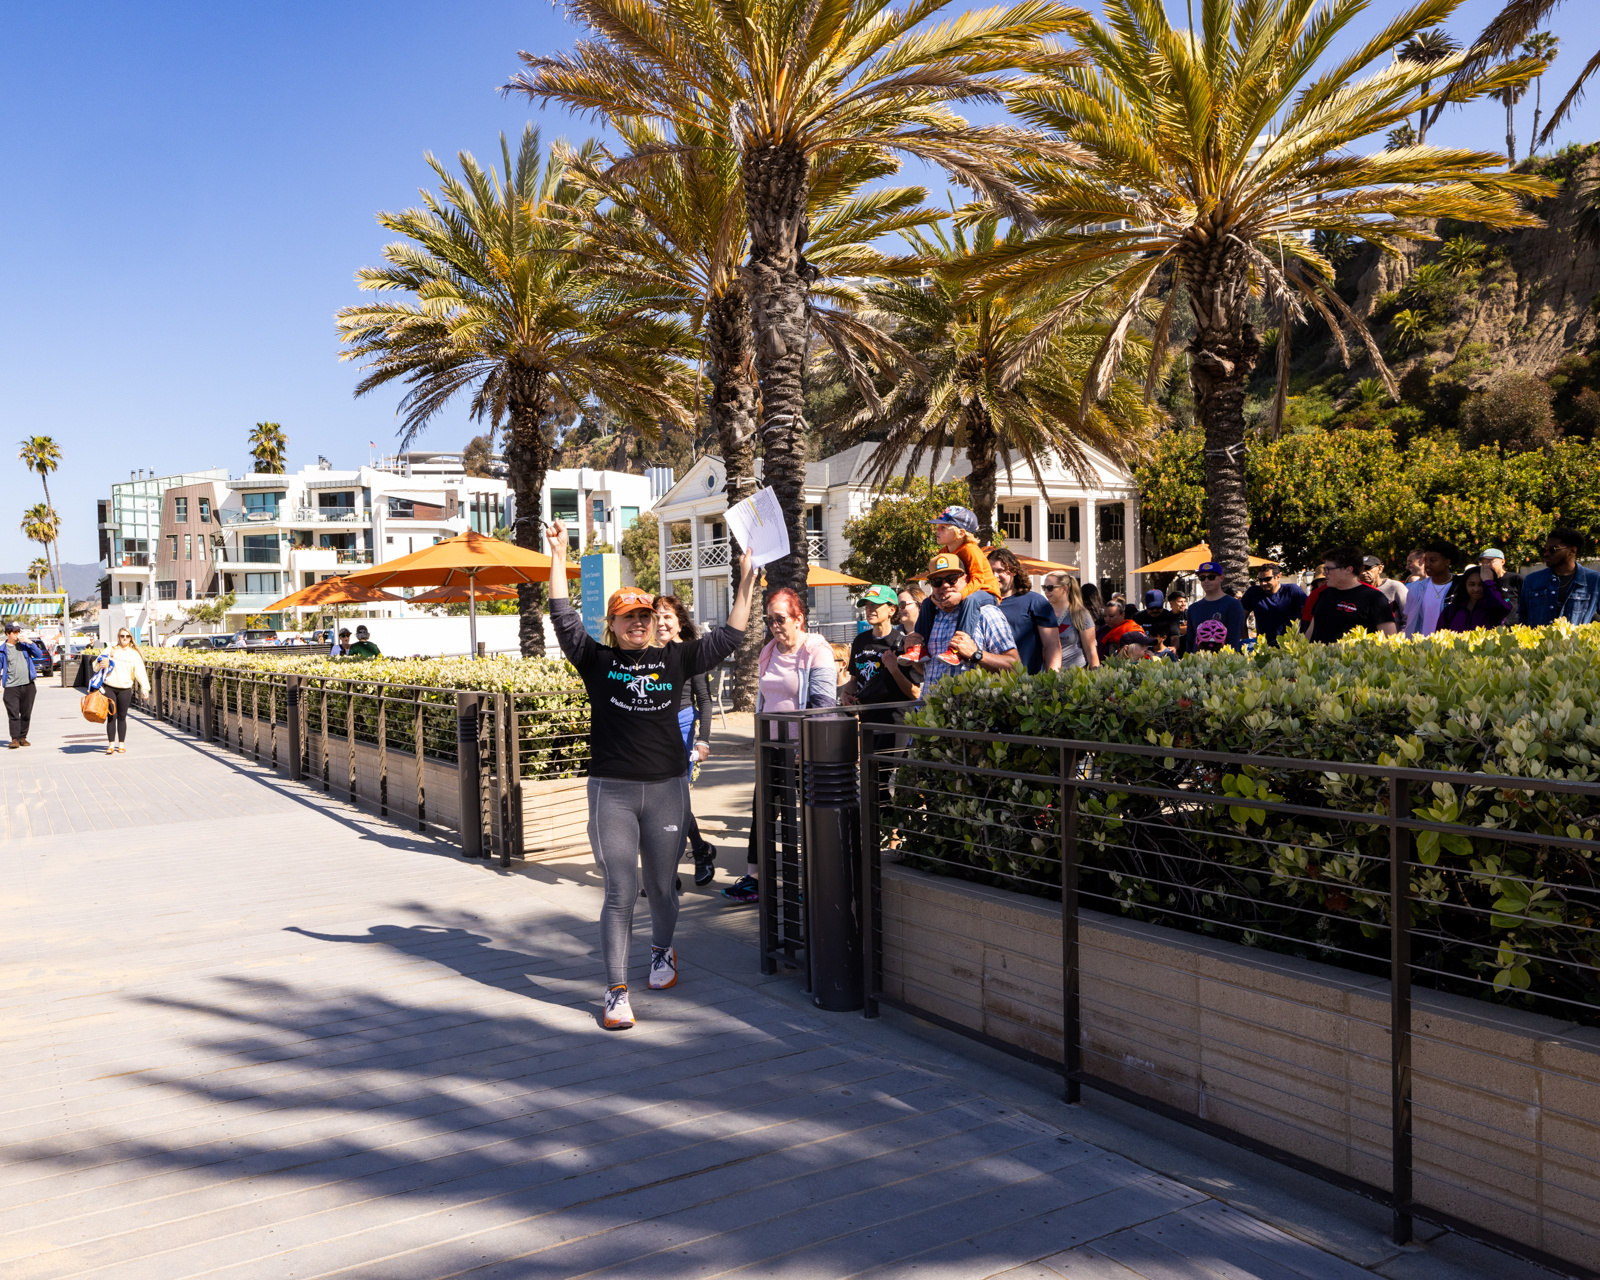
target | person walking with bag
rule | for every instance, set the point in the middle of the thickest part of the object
(123, 666)
(694, 722)
(638, 783)
(20, 661)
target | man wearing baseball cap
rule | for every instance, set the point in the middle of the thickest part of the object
(1492, 561)
(1213, 604)
(20, 661)
(990, 645)
(955, 529)
(875, 672)
(1394, 592)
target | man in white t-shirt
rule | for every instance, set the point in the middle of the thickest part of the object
(1425, 597)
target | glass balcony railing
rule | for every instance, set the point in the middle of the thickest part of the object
(248, 555)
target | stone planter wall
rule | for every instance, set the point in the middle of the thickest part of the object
(1286, 1051)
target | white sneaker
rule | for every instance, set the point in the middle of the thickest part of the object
(619, 1013)
(663, 968)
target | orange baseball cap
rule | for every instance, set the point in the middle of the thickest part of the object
(944, 562)
(627, 600)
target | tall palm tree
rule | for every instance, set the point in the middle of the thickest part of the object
(1426, 48)
(1508, 97)
(1187, 183)
(981, 383)
(269, 447)
(672, 223)
(1513, 25)
(38, 571)
(42, 454)
(504, 304)
(1541, 45)
(782, 83)
(41, 524)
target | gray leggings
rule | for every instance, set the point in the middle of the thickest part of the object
(632, 823)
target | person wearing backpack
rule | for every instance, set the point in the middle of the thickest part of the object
(123, 666)
(20, 661)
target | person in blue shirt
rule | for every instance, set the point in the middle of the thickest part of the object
(1032, 617)
(990, 646)
(1214, 604)
(20, 662)
(1563, 588)
(1274, 602)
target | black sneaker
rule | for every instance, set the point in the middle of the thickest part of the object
(743, 889)
(705, 865)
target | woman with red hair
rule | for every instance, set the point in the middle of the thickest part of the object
(796, 671)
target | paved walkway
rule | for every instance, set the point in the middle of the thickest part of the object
(251, 1033)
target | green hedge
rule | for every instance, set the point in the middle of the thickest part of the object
(1511, 920)
(552, 707)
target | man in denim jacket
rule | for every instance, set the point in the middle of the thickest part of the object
(1563, 588)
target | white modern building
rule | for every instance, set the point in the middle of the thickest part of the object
(598, 507)
(1092, 523)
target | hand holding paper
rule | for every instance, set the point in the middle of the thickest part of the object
(757, 522)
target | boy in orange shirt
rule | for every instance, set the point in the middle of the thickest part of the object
(955, 529)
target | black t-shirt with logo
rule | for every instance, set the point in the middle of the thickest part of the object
(868, 662)
(634, 696)
(1338, 612)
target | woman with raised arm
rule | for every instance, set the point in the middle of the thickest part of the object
(638, 786)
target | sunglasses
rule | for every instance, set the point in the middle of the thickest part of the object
(1208, 577)
(778, 619)
(944, 582)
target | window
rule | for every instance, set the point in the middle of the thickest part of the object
(389, 540)
(337, 501)
(172, 542)
(265, 504)
(1058, 526)
(1111, 522)
(1011, 523)
(188, 546)
(307, 578)
(402, 509)
(205, 510)
(188, 589)
(258, 549)
(599, 510)
(180, 510)
(814, 519)
(167, 590)
(1072, 525)
(259, 583)
(630, 517)
(564, 504)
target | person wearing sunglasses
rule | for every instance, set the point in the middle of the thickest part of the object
(638, 786)
(21, 661)
(1214, 603)
(1276, 603)
(795, 672)
(124, 667)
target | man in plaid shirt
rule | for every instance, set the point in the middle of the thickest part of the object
(994, 647)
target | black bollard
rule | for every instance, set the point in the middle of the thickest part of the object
(467, 774)
(297, 748)
(833, 862)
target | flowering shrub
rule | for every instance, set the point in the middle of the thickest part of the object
(551, 705)
(1515, 920)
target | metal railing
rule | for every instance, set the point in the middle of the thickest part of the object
(1329, 1020)
(415, 752)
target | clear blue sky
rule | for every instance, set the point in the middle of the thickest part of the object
(191, 187)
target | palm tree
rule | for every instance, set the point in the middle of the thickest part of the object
(506, 305)
(1426, 48)
(38, 571)
(1514, 24)
(42, 454)
(672, 223)
(981, 383)
(1186, 183)
(41, 524)
(1508, 97)
(269, 447)
(784, 83)
(1541, 45)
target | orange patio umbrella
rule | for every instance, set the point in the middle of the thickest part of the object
(460, 595)
(817, 576)
(1188, 561)
(332, 591)
(470, 560)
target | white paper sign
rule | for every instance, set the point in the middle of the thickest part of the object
(757, 523)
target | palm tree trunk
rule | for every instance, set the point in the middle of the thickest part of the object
(1223, 354)
(528, 448)
(1538, 106)
(1511, 133)
(57, 576)
(982, 458)
(1422, 116)
(735, 403)
(776, 180)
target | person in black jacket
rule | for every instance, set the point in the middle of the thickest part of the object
(638, 786)
(694, 721)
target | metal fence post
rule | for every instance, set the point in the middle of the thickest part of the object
(871, 953)
(1400, 1008)
(766, 873)
(207, 705)
(503, 788)
(467, 776)
(417, 736)
(1071, 1050)
(296, 747)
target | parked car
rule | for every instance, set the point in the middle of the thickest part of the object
(204, 642)
(254, 638)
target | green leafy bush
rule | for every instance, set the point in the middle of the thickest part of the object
(1493, 918)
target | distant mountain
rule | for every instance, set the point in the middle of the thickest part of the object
(80, 584)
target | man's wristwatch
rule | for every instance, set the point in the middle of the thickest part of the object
(977, 658)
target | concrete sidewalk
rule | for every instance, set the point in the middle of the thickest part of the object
(252, 1032)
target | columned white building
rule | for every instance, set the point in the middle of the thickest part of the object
(1091, 522)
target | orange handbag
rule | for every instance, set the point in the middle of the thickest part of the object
(95, 706)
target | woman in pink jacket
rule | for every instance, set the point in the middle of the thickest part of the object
(796, 671)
